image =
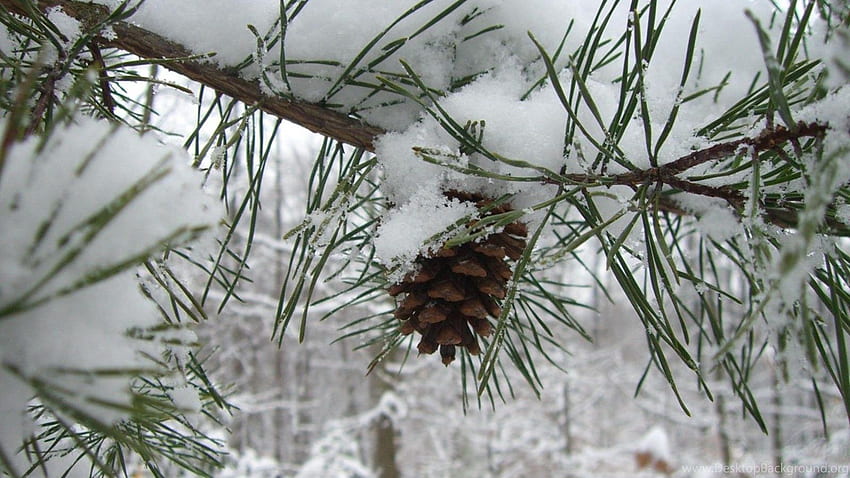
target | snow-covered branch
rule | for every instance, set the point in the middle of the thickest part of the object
(668, 174)
(179, 59)
(326, 121)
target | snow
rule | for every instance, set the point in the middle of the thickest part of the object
(410, 229)
(336, 31)
(655, 443)
(70, 32)
(404, 172)
(76, 195)
(78, 332)
(186, 399)
(530, 129)
(77, 212)
(249, 464)
(335, 454)
(715, 218)
(325, 41)
(720, 224)
(7, 44)
(68, 26)
(842, 213)
(207, 26)
(832, 110)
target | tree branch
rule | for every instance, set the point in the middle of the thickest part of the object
(325, 121)
(148, 45)
(769, 139)
(103, 78)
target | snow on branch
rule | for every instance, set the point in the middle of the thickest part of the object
(179, 59)
(667, 174)
(326, 121)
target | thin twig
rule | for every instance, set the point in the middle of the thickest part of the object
(37, 115)
(103, 77)
(769, 139)
(667, 174)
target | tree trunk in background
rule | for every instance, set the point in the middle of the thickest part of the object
(724, 276)
(385, 449)
(303, 407)
(568, 433)
(384, 456)
(596, 334)
(280, 416)
(492, 464)
(238, 439)
(595, 302)
(722, 432)
(776, 429)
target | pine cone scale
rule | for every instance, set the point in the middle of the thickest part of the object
(469, 266)
(473, 308)
(433, 313)
(447, 289)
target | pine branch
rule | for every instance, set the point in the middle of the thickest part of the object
(346, 129)
(47, 93)
(769, 139)
(148, 45)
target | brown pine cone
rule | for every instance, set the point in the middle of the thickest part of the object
(450, 296)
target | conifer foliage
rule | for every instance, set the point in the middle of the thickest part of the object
(471, 153)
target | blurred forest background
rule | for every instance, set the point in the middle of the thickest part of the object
(310, 409)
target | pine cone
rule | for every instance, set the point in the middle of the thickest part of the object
(457, 288)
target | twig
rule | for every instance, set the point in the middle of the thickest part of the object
(771, 138)
(103, 77)
(667, 174)
(47, 90)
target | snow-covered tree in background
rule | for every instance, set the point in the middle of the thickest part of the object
(686, 159)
